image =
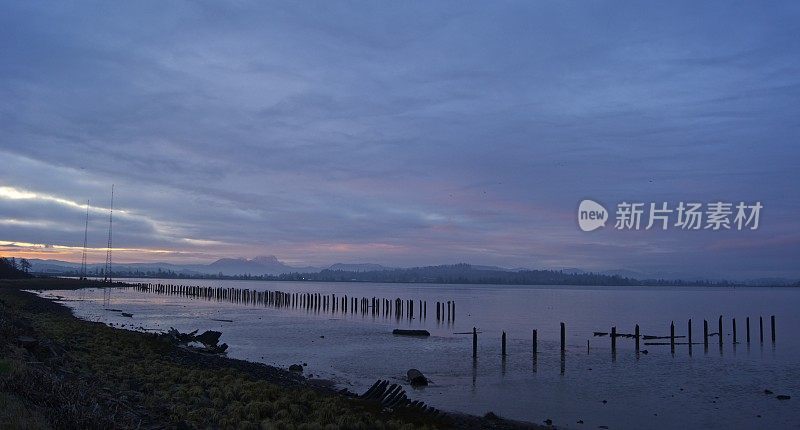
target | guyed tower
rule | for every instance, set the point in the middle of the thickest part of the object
(85, 237)
(107, 271)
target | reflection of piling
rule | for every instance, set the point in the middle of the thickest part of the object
(563, 351)
(503, 345)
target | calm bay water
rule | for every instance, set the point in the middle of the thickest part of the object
(717, 388)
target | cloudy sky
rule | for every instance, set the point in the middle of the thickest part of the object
(402, 133)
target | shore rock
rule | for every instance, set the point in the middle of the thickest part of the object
(416, 378)
(209, 337)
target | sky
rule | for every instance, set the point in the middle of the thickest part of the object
(401, 133)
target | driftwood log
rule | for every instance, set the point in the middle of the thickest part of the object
(418, 333)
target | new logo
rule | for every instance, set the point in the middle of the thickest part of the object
(591, 215)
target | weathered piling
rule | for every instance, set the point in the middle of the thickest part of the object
(734, 331)
(672, 335)
(747, 328)
(503, 345)
(689, 327)
(474, 342)
(761, 329)
(613, 339)
(636, 335)
(720, 330)
(705, 333)
(772, 327)
(535, 344)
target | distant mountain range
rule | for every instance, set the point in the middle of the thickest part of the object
(269, 267)
(264, 265)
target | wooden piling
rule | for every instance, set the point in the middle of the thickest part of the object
(474, 342)
(705, 333)
(503, 345)
(613, 339)
(563, 337)
(747, 328)
(636, 335)
(690, 332)
(734, 332)
(761, 329)
(720, 330)
(772, 326)
(672, 335)
(535, 343)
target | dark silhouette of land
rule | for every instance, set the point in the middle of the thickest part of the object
(444, 274)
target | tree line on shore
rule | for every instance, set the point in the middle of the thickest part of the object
(11, 268)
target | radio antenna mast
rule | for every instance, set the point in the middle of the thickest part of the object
(107, 273)
(85, 237)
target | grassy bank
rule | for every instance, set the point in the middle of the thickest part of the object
(81, 374)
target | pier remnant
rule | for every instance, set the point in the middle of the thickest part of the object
(474, 342)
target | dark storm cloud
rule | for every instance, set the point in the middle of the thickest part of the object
(402, 133)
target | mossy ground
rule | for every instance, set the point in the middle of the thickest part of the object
(88, 375)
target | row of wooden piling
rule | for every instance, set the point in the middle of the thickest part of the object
(689, 333)
(535, 340)
(317, 302)
(637, 337)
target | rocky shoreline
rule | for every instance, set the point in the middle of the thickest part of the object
(58, 371)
